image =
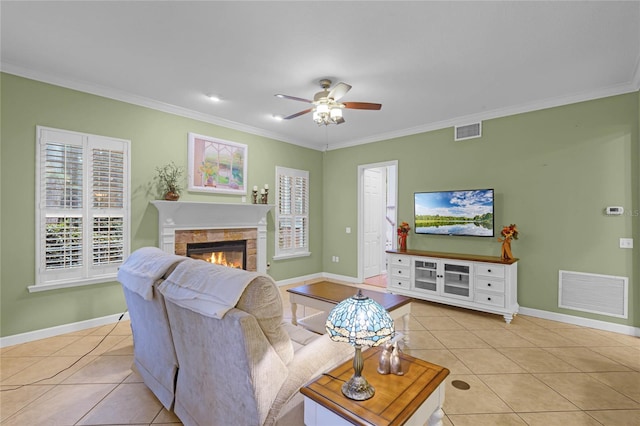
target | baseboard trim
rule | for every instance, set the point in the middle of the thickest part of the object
(298, 280)
(585, 322)
(30, 336)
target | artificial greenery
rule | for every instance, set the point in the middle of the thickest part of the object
(169, 177)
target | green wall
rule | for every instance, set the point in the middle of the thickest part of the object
(156, 138)
(554, 171)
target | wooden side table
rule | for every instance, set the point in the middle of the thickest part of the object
(415, 398)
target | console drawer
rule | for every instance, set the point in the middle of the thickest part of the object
(399, 283)
(400, 272)
(496, 285)
(490, 299)
(400, 261)
(488, 270)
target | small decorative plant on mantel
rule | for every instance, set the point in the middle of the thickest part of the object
(169, 178)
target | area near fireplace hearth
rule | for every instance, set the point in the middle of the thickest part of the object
(188, 222)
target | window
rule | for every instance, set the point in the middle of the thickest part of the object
(82, 208)
(292, 213)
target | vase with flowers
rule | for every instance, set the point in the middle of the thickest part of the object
(403, 231)
(508, 233)
(169, 180)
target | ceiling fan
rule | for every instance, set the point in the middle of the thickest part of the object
(326, 108)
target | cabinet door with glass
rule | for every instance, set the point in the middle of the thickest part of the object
(425, 274)
(456, 279)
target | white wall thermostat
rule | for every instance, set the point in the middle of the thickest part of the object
(614, 210)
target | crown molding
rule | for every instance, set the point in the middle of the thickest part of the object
(619, 89)
(86, 87)
(110, 93)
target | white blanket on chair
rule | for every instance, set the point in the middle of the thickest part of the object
(203, 287)
(144, 267)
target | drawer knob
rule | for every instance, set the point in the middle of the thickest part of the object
(399, 272)
(488, 284)
(489, 270)
(488, 298)
(399, 260)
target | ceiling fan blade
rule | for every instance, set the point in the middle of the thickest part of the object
(339, 91)
(293, 98)
(298, 114)
(362, 105)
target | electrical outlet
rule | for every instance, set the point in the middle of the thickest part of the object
(337, 259)
(626, 243)
(348, 230)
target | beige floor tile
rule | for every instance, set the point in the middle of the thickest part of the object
(571, 418)
(166, 417)
(49, 370)
(104, 369)
(625, 355)
(617, 417)
(586, 392)
(587, 337)
(44, 347)
(134, 377)
(63, 405)
(627, 383)
(477, 399)
(536, 360)
(486, 420)
(522, 321)
(586, 360)
(422, 340)
(550, 324)
(625, 339)
(91, 344)
(442, 357)
(486, 361)
(127, 404)
(13, 400)
(414, 324)
(459, 339)
(545, 338)
(525, 393)
(10, 365)
(427, 309)
(501, 338)
(124, 347)
(439, 323)
(473, 321)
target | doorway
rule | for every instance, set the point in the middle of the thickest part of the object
(377, 218)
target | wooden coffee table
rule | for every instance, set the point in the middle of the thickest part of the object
(325, 295)
(412, 399)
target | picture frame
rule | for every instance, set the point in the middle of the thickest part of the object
(216, 165)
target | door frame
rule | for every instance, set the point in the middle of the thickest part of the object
(393, 164)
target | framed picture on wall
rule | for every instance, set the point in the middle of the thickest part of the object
(216, 165)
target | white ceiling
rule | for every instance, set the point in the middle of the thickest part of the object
(430, 64)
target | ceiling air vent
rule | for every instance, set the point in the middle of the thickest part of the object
(468, 131)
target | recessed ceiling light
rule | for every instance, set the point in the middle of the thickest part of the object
(214, 98)
(277, 117)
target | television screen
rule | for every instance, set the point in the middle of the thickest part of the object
(454, 213)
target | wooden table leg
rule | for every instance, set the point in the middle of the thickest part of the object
(294, 310)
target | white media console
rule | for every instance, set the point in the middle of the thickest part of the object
(483, 283)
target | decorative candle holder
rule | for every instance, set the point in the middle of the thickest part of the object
(255, 196)
(264, 198)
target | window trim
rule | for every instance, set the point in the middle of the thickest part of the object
(279, 253)
(88, 273)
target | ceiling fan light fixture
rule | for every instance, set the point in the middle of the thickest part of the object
(322, 109)
(336, 113)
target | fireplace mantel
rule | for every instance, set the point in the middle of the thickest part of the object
(191, 215)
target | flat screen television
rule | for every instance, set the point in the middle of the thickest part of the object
(468, 213)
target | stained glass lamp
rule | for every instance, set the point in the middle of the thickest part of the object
(359, 321)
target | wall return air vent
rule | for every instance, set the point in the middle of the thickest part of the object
(600, 294)
(468, 131)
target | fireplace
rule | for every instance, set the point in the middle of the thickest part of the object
(226, 253)
(190, 222)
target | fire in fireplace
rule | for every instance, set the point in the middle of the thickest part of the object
(226, 253)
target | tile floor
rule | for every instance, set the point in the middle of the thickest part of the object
(531, 372)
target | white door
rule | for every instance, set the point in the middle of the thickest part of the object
(373, 215)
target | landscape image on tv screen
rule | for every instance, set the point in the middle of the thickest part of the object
(455, 213)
